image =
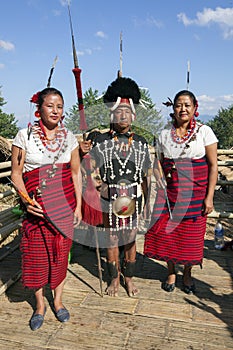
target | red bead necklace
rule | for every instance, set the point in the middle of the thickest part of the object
(187, 135)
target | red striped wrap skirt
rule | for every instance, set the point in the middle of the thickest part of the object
(44, 250)
(180, 240)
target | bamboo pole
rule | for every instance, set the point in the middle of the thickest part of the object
(224, 182)
(4, 165)
(5, 231)
(9, 251)
(225, 151)
(220, 215)
(225, 163)
(11, 281)
(6, 194)
(5, 174)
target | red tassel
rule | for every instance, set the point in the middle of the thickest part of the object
(77, 74)
(91, 208)
(83, 123)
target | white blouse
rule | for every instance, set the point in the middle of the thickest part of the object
(192, 148)
(37, 154)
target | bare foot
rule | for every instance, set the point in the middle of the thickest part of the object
(171, 278)
(187, 280)
(130, 287)
(187, 277)
(112, 289)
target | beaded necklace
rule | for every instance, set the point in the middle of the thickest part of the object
(109, 149)
(122, 146)
(188, 134)
(51, 145)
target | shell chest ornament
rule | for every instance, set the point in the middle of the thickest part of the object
(122, 160)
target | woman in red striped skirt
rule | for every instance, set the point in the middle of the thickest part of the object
(46, 172)
(185, 184)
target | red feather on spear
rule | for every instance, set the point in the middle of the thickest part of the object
(91, 207)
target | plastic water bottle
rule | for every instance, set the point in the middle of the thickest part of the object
(218, 236)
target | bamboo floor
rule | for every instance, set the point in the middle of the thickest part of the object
(154, 319)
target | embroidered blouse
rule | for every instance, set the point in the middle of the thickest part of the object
(37, 154)
(193, 148)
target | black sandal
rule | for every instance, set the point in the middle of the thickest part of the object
(189, 289)
(168, 287)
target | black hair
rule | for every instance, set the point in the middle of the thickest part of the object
(185, 93)
(45, 92)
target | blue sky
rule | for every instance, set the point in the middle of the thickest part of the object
(159, 38)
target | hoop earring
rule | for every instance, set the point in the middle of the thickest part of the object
(37, 114)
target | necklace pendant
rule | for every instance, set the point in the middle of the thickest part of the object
(43, 183)
(51, 173)
(38, 192)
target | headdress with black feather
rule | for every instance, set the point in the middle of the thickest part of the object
(122, 91)
(124, 88)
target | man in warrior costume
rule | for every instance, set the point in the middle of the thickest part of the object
(124, 161)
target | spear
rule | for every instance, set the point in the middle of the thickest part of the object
(92, 214)
(188, 72)
(51, 71)
(120, 70)
(77, 73)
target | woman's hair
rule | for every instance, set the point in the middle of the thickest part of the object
(185, 93)
(47, 91)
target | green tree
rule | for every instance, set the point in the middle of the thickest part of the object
(222, 125)
(148, 121)
(96, 114)
(8, 127)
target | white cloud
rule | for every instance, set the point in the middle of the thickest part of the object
(211, 105)
(85, 52)
(56, 13)
(65, 2)
(88, 51)
(205, 98)
(196, 37)
(220, 16)
(101, 34)
(80, 53)
(149, 21)
(6, 45)
(152, 22)
(228, 98)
